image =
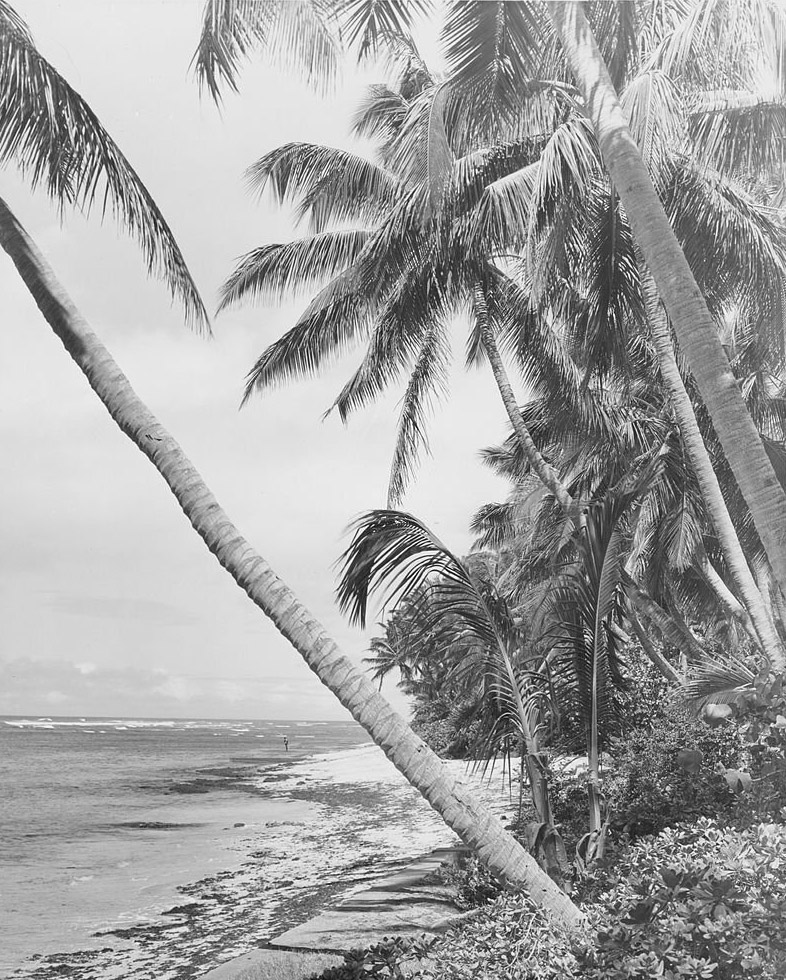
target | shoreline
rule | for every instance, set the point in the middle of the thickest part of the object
(349, 818)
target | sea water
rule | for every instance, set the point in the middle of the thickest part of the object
(104, 823)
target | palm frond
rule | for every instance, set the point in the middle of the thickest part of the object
(738, 132)
(719, 43)
(438, 156)
(366, 23)
(326, 184)
(380, 114)
(396, 337)
(492, 50)
(655, 114)
(344, 310)
(602, 264)
(616, 25)
(333, 322)
(747, 256)
(293, 33)
(718, 678)
(396, 554)
(271, 272)
(56, 140)
(429, 379)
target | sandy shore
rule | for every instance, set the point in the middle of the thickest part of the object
(342, 819)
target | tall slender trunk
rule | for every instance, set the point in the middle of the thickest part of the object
(708, 481)
(652, 654)
(546, 473)
(673, 631)
(730, 603)
(693, 324)
(464, 814)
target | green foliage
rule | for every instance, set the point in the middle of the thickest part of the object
(448, 733)
(475, 885)
(514, 940)
(696, 901)
(670, 771)
(761, 717)
(392, 959)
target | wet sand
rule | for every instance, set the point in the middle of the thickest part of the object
(348, 817)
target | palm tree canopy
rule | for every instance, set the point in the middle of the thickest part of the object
(54, 137)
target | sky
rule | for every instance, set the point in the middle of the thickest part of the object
(109, 603)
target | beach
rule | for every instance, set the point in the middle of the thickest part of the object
(277, 846)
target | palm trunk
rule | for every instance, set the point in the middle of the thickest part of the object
(652, 654)
(465, 815)
(695, 329)
(547, 474)
(674, 632)
(729, 602)
(552, 847)
(708, 482)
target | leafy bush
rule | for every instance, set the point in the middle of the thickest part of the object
(443, 724)
(695, 901)
(670, 772)
(760, 715)
(392, 959)
(512, 940)
(474, 884)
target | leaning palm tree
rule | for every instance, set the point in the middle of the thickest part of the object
(394, 554)
(48, 135)
(55, 139)
(687, 309)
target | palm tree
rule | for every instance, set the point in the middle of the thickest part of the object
(49, 129)
(56, 140)
(267, 270)
(427, 257)
(582, 615)
(464, 613)
(586, 275)
(686, 307)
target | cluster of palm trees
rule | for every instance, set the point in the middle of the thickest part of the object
(624, 252)
(645, 287)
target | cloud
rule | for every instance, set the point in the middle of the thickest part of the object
(120, 607)
(33, 687)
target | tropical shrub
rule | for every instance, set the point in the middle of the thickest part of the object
(699, 901)
(441, 721)
(511, 940)
(671, 771)
(392, 959)
(695, 901)
(760, 714)
(473, 883)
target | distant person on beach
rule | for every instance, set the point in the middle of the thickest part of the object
(286, 743)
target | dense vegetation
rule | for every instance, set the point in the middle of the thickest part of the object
(626, 604)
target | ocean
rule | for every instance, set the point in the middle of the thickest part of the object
(159, 848)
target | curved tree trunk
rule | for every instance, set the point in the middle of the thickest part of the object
(708, 483)
(654, 656)
(464, 814)
(695, 329)
(545, 472)
(730, 603)
(672, 630)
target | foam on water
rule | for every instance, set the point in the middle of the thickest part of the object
(102, 821)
